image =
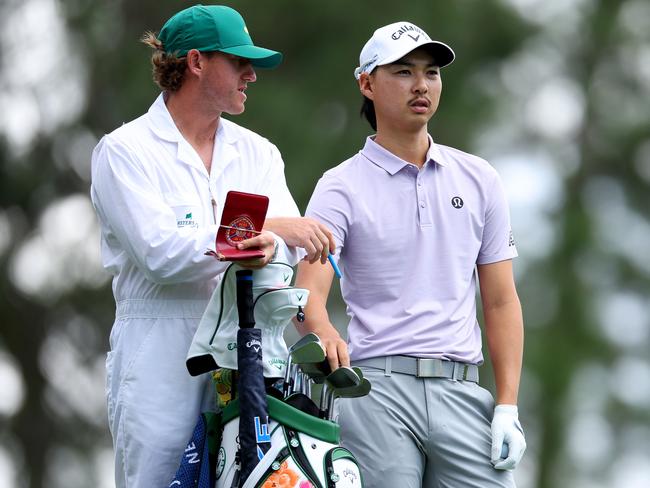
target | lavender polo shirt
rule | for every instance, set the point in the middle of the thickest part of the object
(408, 242)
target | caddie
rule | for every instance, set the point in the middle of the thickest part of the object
(158, 186)
(418, 226)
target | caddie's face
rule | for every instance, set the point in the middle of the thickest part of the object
(405, 93)
(224, 82)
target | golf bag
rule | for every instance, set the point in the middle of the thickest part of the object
(305, 452)
(301, 450)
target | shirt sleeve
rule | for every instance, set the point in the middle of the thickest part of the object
(330, 204)
(133, 212)
(498, 242)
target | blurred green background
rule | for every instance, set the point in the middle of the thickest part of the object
(554, 93)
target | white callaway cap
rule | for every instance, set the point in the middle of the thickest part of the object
(394, 41)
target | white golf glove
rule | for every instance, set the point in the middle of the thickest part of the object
(508, 443)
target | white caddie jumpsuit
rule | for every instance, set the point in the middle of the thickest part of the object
(158, 208)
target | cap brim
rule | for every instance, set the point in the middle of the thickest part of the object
(443, 55)
(260, 57)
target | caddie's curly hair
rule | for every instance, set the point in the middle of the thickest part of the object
(168, 69)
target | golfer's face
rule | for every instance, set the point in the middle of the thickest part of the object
(407, 92)
(225, 82)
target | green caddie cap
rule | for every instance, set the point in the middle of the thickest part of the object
(214, 28)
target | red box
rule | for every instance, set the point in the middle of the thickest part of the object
(242, 218)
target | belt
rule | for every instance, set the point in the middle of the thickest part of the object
(422, 367)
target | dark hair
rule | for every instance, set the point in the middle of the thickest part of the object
(368, 111)
(168, 69)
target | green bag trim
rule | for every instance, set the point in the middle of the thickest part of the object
(342, 453)
(289, 416)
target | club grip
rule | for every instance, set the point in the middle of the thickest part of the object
(245, 299)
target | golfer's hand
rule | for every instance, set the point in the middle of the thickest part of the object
(336, 349)
(266, 242)
(315, 238)
(507, 430)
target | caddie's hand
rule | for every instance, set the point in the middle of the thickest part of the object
(336, 348)
(315, 238)
(266, 242)
(507, 430)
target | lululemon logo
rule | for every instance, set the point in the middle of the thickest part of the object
(457, 202)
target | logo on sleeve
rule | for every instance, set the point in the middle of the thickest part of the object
(457, 202)
(185, 219)
(511, 240)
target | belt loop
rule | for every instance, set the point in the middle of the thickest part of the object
(465, 370)
(388, 370)
(454, 372)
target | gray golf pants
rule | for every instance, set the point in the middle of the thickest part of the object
(414, 432)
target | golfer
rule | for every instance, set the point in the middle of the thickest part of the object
(417, 226)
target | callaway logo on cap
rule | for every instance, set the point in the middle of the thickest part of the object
(394, 41)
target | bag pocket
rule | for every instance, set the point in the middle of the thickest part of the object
(342, 469)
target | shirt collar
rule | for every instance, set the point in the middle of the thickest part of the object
(385, 159)
(162, 124)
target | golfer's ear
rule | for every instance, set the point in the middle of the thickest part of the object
(365, 85)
